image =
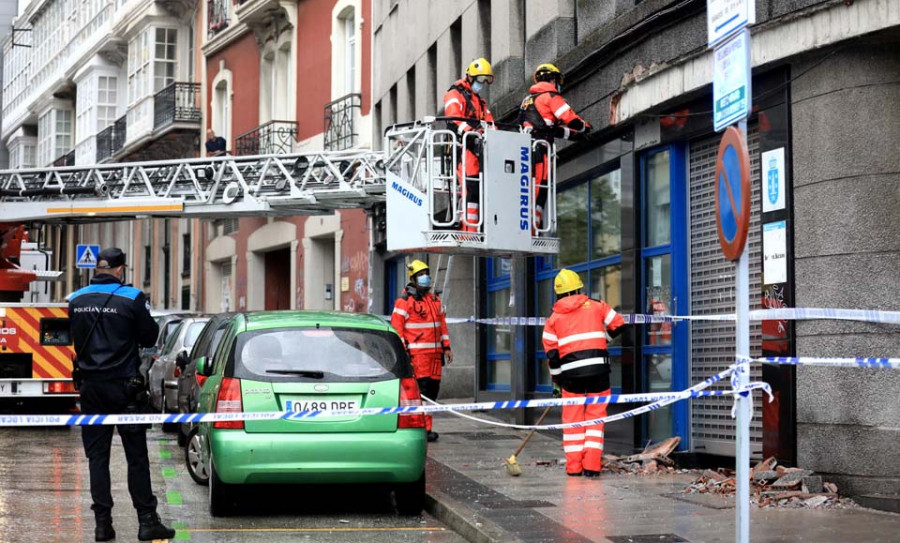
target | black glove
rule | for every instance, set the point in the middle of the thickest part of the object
(77, 375)
(557, 392)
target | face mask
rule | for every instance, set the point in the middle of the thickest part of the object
(477, 87)
(423, 281)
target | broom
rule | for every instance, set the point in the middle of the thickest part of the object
(512, 466)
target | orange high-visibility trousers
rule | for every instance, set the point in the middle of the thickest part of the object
(470, 190)
(427, 368)
(583, 445)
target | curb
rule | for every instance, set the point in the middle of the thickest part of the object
(464, 520)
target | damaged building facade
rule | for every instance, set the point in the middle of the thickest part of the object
(636, 209)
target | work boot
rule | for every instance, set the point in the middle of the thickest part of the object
(432, 436)
(576, 474)
(591, 473)
(152, 528)
(104, 530)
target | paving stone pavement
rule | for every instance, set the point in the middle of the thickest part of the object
(466, 471)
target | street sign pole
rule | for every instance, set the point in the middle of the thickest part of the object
(742, 378)
(727, 35)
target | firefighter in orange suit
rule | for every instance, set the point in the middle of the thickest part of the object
(546, 115)
(575, 343)
(463, 100)
(420, 320)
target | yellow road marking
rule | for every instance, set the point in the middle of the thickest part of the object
(338, 529)
(118, 209)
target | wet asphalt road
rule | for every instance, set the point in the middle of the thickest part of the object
(45, 497)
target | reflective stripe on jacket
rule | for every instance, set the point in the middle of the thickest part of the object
(461, 101)
(421, 322)
(552, 109)
(575, 337)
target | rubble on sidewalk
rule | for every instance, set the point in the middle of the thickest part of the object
(653, 460)
(772, 486)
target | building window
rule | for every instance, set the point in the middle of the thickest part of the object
(63, 132)
(148, 255)
(186, 298)
(221, 121)
(186, 254)
(349, 24)
(164, 58)
(498, 374)
(589, 221)
(138, 68)
(107, 101)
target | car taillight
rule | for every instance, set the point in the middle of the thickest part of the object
(59, 387)
(409, 396)
(200, 379)
(229, 401)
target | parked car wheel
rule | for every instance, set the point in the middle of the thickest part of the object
(193, 459)
(410, 497)
(221, 496)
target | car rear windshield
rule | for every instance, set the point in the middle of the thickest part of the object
(319, 355)
(193, 333)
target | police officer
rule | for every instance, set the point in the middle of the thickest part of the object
(109, 322)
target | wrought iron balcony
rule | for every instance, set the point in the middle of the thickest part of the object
(177, 103)
(341, 122)
(111, 139)
(119, 134)
(67, 159)
(218, 16)
(272, 138)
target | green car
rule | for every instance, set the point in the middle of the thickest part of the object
(297, 361)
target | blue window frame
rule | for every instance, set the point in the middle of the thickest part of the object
(664, 281)
(589, 226)
(498, 375)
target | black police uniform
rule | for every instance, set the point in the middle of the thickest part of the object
(108, 362)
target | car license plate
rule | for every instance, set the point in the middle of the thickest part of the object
(8, 388)
(319, 404)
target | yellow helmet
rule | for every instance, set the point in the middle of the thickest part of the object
(481, 67)
(548, 72)
(567, 281)
(415, 267)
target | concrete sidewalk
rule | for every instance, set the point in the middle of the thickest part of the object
(470, 490)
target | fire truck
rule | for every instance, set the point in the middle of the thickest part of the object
(410, 190)
(35, 346)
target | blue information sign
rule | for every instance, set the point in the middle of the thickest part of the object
(86, 256)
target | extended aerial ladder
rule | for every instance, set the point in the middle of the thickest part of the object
(415, 176)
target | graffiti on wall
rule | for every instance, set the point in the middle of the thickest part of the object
(356, 268)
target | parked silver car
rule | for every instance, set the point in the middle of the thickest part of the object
(162, 378)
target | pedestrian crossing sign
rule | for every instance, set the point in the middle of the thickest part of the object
(86, 256)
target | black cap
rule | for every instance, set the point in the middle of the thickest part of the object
(110, 258)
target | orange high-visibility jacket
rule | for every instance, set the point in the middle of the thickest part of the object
(575, 338)
(421, 322)
(461, 101)
(544, 109)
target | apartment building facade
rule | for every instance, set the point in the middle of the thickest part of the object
(636, 208)
(283, 76)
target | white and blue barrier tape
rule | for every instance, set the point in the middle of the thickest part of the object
(161, 418)
(872, 316)
(875, 363)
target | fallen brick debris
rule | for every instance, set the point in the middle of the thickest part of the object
(653, 460)
(774, 486)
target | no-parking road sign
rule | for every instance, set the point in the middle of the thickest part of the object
(733, 193)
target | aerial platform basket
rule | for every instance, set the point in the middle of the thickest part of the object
(427, 204)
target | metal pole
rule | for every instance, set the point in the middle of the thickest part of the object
(744, 404)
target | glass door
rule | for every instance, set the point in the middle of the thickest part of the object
(664, 287)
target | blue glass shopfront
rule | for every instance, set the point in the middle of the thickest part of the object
(622, 226)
